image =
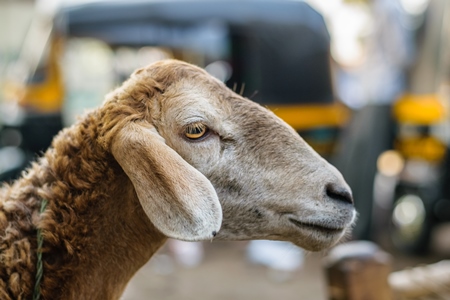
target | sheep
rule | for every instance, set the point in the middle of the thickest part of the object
(172, 153)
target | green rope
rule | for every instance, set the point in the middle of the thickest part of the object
(39, 265)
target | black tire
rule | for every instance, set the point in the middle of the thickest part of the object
(369, 134)
(414, 237)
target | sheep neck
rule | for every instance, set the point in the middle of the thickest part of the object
(98, 236)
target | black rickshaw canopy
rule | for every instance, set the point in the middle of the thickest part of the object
(278, 48)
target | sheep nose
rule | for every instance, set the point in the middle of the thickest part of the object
(339, 193)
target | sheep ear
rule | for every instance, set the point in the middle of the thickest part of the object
(179, 200)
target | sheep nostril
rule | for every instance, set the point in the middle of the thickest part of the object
(339, 193)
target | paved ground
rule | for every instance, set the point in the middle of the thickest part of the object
(225, 274)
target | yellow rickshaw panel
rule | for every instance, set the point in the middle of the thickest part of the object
(305, 117)
(419, 109)
(428, 148)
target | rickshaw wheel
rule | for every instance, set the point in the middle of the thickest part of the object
(411, 224)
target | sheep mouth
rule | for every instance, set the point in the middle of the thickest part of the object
(317, 227)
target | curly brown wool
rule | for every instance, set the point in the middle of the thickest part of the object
(90, 203)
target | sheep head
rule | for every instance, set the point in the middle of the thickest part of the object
(206, 162)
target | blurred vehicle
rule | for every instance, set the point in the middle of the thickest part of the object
(421, 197)
(396, 157)
(274, 52)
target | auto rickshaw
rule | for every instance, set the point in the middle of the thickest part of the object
(396, 156)
(274, 52)
(421, 196)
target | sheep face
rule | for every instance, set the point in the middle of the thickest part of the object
(269, 182)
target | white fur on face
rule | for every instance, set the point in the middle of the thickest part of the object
(270, 183)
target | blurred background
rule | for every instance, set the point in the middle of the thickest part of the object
(365, 82)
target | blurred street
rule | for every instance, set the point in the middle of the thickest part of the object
(225, 274)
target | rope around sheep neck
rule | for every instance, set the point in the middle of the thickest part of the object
(39, 265)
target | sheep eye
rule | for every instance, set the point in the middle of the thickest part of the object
(195, 131)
